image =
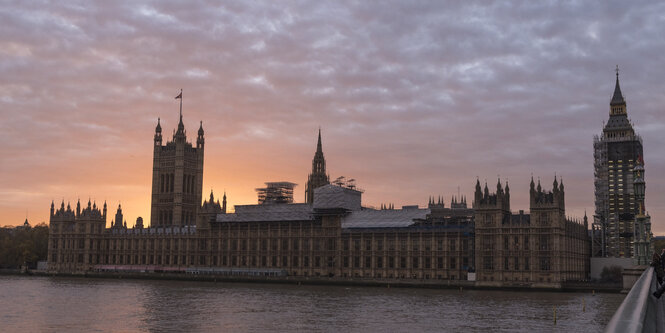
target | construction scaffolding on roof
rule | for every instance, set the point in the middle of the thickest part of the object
(276, 192)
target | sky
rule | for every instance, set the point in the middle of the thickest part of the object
(414, 99)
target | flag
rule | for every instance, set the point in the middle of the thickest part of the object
(179, 95)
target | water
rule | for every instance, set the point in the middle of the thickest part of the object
(44, 304)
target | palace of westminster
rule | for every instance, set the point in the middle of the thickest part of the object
(333, 235)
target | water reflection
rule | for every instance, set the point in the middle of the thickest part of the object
(59, 304)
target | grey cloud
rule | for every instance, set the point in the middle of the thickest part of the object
(414, 98)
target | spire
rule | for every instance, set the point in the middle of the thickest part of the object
(318, 176)
(617, 98)
(318, 144)
(212, 198)
(158, 129)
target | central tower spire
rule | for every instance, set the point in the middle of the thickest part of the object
(318, 177)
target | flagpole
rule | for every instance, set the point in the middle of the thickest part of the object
(180, 103)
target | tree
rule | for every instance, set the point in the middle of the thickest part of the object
(23, 245)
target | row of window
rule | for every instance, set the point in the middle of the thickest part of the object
(379, 262)
(517, 264)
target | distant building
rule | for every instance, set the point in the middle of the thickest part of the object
(540, 249)
(177, 178)
(330, 235)
(616, 152)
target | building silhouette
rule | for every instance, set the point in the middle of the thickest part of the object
(616, 152)
(331, 235)
(318, 176)
(177, 177)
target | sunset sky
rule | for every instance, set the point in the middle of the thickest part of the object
(413, 98)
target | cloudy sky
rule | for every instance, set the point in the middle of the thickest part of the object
(413, 98)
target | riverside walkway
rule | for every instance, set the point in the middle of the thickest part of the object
(640, 310)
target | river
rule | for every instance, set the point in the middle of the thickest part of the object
(48, 304)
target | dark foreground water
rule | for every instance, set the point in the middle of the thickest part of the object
(42, 304)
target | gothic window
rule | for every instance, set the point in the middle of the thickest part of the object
(487, 263)
(544, 263)
(544, 242)
(517, 263)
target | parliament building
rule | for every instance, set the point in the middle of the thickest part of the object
(330, 235)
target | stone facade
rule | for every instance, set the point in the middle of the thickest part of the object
(332, 235)
(543, 248)
(177, 178)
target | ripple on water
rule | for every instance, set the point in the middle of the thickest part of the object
(89, 305)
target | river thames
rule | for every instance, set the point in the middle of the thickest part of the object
(45, 304)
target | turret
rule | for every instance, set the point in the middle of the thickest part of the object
(477, 194)
(52, 208)
(78, 208)
(139, 223)
(547, 199)
(118, 218)
(158, 134)
(492, 201)
(200, 140)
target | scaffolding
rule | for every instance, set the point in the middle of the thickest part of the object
(276, 193)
